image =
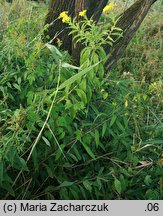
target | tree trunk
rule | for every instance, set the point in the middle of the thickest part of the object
(129, 22)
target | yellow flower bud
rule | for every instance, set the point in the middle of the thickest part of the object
(109, 7)
(82, 13)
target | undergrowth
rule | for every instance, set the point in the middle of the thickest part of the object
(68, 132)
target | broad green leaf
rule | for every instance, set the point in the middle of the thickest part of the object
(152, 194)
(50, 188)
(82, 95)
(46, 141)
(17, 86)
(100, 171)
(153, 142)
(99, 183)
(101, 71)
(110, 38)
(117, 185)
(120, 126)
(76, 77)
(113, 119)
(19, 163)
(125, 172)
(66, 65)
(148, 180)
(105, 95)
(63, 193)
(89, 151)
(89, 93)
(49, 171)
(97, 137)
(83, 192)
(85, 55)
(59, 152)
(73, 157)
(11, 155)
(19, 80)
(35, 158)
(83, 85)
(135, 160)
(54, 50)
(95, 58)
(104, 127)
(101, 53)
(30, 96)
(87, 185)
(79, 135)
(118, 29)
(23, 164)
(66, 184)
(74, 193)
(77, 153)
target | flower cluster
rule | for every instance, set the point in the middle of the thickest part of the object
(64, 16)
(109, 7)
(82, 13)
(66, 19)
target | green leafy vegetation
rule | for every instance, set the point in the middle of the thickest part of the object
(70, 132)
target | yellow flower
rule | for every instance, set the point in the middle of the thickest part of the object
(82, 13)
(64, 16)
(109, 7)
(126, 103)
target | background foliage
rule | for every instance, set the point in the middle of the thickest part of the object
(69, 135)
